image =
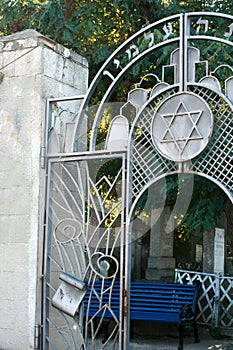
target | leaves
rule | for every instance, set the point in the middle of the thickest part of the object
(92, 28)
(207, 204)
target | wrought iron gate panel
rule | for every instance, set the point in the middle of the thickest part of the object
(85, 239)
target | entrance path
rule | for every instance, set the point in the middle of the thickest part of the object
(207, 342)
(169, 343)
(172, 344)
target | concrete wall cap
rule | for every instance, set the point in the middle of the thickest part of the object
(25, 34)
(31, 38)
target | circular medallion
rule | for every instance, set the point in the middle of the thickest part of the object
(182, 126)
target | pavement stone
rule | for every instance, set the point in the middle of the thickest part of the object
(172, 344)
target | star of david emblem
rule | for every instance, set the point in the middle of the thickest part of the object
(182, 126)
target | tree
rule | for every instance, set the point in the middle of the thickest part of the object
(207, 204)
(93, 28)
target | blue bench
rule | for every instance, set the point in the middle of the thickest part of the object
(149, 301)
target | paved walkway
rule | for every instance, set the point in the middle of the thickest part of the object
(207, 342)
(172, 344)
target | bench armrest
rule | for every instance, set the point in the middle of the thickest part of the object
(186, 313)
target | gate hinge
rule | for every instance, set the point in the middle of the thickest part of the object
(125, 302)
(37, 334)
(42, 157)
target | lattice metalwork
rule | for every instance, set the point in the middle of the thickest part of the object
(216, 296)
(146, 163)
(226, 302)
(216, 160)
(85, 239)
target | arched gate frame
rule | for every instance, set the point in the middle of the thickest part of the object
(177, 118)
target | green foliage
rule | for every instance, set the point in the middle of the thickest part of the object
(93, 28)
(207, 204)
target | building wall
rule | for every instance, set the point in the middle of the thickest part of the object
(34, 68)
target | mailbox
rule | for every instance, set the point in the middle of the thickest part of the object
(69, 294)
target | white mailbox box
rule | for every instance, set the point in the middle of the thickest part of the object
(69, 294)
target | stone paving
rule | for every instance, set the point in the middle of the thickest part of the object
(207, 342)
(172, 344)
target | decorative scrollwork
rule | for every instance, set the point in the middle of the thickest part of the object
(67, 230)
(105, 266)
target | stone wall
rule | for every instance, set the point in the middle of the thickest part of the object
(34, 68)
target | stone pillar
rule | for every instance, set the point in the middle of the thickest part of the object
(214, 251)
(32, 68)
(161, 263)
(208, 251)
(136, 259)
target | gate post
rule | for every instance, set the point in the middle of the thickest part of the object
(33, 69)
(216, 301)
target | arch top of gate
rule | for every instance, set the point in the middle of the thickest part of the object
(176, 32)
(170, 104)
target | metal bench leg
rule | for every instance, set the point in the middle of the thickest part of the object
(105, 331)
(181, 335)
(196, 336)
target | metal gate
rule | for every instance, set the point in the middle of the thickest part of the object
(86, 240)
(175, 117)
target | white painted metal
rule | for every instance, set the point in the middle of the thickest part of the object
(85, 239)
(74, 194)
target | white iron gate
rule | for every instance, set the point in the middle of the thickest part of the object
(85, 240)
(174, 117)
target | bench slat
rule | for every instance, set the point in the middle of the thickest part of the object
(148, 300)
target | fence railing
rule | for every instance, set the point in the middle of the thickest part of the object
(215, 303)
